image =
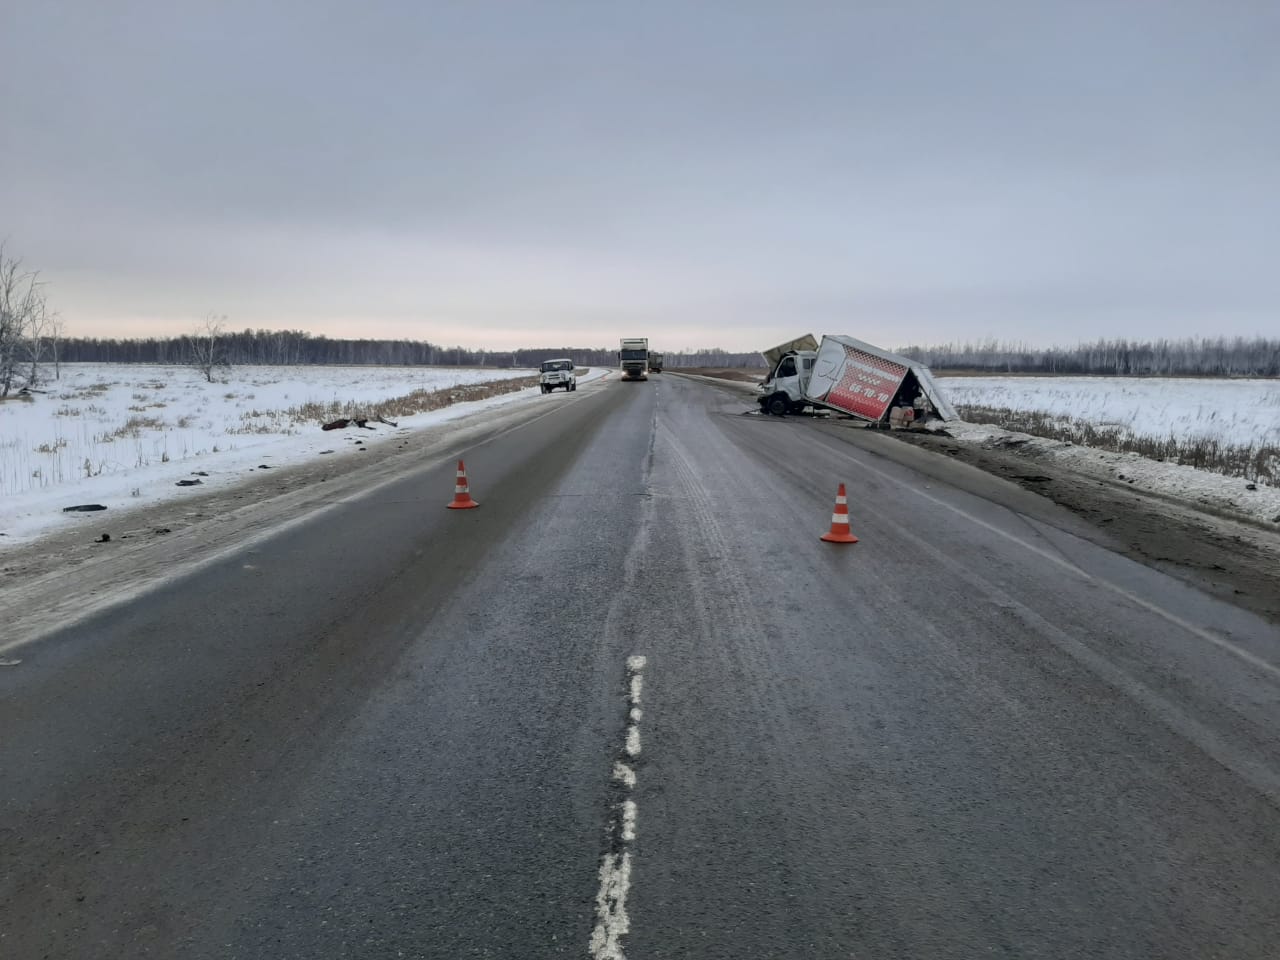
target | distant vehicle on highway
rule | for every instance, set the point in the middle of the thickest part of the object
(557, 373)
(633, 355)
(851, 377)
(655, 362)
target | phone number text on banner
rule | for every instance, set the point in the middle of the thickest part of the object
(868, 384)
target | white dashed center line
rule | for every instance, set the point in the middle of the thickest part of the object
(612, 922)
(629, 812)
(611, 907)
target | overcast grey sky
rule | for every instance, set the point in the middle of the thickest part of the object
(707, 173)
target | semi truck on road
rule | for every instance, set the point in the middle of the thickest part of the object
(633, 355)
(655, 362)
(851, 377)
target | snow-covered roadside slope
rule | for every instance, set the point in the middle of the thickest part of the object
(1230, 495)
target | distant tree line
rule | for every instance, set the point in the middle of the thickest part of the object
(1205, 357)
(1191, 357)
(274, 348)
(297, 347)
(713, 358)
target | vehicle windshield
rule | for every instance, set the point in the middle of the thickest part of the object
(635, 354)
(557, 365)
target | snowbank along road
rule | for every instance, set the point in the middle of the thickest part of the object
(633, 707)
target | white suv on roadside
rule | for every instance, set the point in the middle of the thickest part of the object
(557, 373)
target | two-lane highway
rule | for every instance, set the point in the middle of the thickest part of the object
(632, 706)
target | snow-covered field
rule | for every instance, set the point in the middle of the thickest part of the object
(125, 434)
(1233, 412)
(1212, 442)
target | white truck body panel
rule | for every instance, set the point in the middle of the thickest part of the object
(807, 343)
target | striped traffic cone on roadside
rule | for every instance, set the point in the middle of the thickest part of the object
(840, 532)
(461, 492)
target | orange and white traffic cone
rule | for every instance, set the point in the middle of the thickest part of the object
(840, 532)
(461, 492)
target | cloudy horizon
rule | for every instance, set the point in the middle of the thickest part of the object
(501, 174)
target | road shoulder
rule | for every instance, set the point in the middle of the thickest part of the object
(1229, 558)
(65, 576)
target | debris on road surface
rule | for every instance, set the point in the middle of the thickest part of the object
(83, 508)
(343, 423)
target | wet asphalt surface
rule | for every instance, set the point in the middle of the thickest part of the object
(392, 732)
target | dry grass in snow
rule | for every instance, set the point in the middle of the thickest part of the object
(1231, 427)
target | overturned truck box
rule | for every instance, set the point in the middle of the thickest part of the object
(851, 377)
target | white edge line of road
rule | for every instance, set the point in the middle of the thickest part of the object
(1219, 642)
(128, 595)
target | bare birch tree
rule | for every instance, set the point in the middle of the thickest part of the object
(22, 316)
(36, 340)
(208, 352)
(57, 332)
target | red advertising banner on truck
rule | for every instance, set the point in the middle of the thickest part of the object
(864, 383)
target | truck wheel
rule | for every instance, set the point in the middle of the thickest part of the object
(778, 405)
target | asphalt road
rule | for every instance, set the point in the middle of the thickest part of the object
(632, 706)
